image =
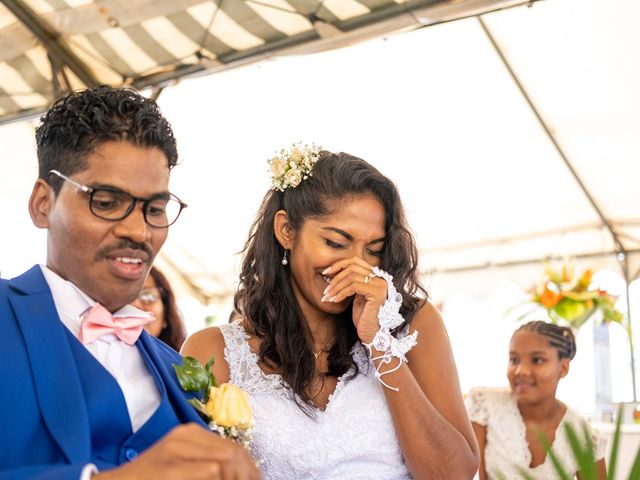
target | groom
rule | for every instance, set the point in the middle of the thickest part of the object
(82, 396)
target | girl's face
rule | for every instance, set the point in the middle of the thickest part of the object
(150, 300)
(535, 367)
(356, 228)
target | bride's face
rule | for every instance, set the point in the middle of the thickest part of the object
(355, 228)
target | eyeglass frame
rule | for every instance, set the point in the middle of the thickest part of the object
(145, 201)
(157, 295)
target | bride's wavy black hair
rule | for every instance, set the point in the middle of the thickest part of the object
(265, 297)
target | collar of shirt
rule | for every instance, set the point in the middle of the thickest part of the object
(71, 302)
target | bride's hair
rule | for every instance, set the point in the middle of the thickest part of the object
(265, 297)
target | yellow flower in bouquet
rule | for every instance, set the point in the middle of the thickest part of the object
(228, 406)
(571, 299)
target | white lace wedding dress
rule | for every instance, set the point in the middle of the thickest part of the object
(352, 439)
(507, 449)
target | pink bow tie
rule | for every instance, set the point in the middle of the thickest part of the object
(97, 321)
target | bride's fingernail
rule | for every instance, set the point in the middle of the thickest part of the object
(326, 270)
(326, 289)
(325, 298)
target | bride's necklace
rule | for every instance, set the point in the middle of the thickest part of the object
(317, 354)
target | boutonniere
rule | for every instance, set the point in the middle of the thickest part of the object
(224, 408)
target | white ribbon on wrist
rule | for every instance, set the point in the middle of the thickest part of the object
(389, 318)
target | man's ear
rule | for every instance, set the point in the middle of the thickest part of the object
(285, 234)
(40, 203)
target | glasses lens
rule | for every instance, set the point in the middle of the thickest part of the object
(110, 205)
(149, 295)
(162, 212)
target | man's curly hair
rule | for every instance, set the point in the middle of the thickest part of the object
(77, 124)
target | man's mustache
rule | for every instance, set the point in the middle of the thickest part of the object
(124, 245)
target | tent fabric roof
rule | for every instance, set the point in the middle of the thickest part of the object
(49, 46)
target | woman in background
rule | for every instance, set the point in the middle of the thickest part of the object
(508, 423)
(157, 297)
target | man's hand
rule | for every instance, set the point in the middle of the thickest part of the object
(188, 452)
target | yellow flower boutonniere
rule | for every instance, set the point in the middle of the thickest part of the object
(225, 408)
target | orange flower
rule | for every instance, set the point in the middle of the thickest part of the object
(549, 298)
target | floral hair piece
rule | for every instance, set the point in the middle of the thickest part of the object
(290, 167)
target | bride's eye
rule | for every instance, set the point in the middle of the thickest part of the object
(333, 244)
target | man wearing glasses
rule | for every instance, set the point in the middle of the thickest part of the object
(85, 393)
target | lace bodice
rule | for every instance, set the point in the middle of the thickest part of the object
(507, 449)
(352, 439)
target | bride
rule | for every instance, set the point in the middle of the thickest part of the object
(347, 377)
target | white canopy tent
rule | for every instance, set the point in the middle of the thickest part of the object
(499, 170)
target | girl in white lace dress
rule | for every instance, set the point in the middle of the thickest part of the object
(508, 422)
(321, 344)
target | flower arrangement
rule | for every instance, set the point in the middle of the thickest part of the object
(289, 168)
(225, 408)
(572, 299)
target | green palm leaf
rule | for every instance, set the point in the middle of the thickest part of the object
(562, 474)
(585, 457)
(613, 457)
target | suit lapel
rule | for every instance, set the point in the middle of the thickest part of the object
(55, 374)
(161, 362)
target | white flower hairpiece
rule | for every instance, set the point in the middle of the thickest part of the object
(289, 168)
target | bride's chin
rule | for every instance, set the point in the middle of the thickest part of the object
(335, 308)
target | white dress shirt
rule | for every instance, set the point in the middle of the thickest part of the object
(124, 362)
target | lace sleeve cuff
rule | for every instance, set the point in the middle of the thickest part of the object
(389, 317)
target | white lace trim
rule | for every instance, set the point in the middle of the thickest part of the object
(245, 372)
(389, 318)
(352, 439)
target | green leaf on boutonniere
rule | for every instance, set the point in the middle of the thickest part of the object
(200, 408)
(193, 377)
(211, 382)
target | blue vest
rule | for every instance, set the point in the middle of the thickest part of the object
(112, 439)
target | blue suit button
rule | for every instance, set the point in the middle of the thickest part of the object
(130, 454)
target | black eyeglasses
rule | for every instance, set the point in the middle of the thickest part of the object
(114, 204)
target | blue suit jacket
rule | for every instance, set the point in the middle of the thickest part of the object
(43, 417)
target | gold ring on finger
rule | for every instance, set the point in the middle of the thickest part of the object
(369, 278)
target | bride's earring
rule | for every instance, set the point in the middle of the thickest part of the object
(285, 260)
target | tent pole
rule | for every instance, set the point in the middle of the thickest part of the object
(620, 248)
(627, 280)
(605, 221)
